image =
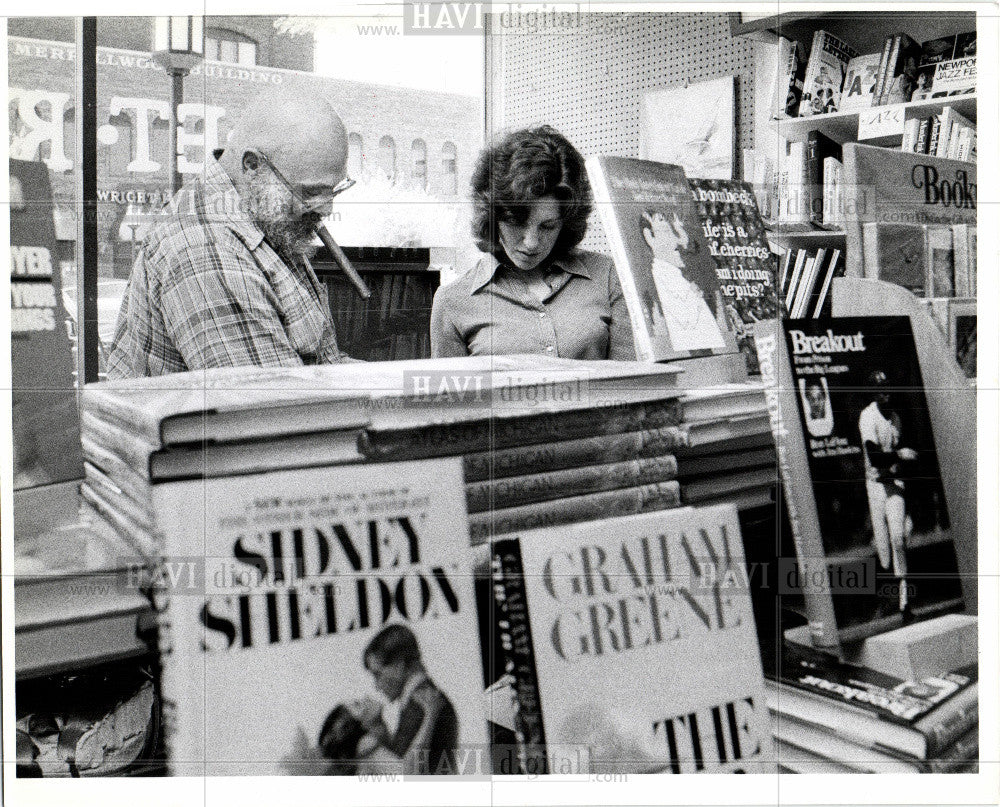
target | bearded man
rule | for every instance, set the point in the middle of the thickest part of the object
(224, 279)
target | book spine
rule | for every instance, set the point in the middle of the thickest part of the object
(514, 627)
(814, 179)
(831, 273)
(935, 135)
(607, 504)
(529, 488)
(944, 132)
(812, 70)
(104, 441)
(534, 459)
(953, 725)
(890, 72)
(964, 749)
(111, 409)
(910, 129)
(923, 135)
(883, 66)
(793, 468)
(784, 81)
(483, 435)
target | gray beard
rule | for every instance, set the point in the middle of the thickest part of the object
(270, 208)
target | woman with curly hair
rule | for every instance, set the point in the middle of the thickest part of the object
(533, 291)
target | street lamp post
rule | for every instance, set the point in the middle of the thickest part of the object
(178, 45)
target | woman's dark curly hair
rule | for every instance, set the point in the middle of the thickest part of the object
(522, 167)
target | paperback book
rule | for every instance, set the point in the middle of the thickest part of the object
(667, 272)
(851, 425)
(859, 84)
(825, 71)
(591, 613)
(341, 602)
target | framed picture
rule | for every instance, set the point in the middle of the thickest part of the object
(962, 333)
(690, 126)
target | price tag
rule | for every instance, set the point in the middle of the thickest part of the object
(881, 121)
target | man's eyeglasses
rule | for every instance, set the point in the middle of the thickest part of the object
(344, 184)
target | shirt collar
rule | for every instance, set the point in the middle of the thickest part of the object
(489, 265)
(221, 197)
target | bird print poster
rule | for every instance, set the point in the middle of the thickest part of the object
(690, 126)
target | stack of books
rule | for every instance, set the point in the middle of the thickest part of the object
(829, 716)
(290, 515)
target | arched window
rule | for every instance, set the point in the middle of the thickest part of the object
(222, 45)
(355, 155)
(387, 156)
(418, 154)
(449, 167)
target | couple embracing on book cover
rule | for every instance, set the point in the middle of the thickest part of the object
(414, 732)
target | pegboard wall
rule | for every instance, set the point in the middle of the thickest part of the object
(585, 76)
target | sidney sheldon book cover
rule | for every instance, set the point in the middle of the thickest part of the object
(858, 459)
(321, 622)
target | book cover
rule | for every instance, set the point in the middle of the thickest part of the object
(916, 718)
(825, 71)
(851, 424)
(663, 261)
(788, 81)
(818, 148)
(596, 611)
(744, 264)
(895, 252)
(859, 83)
(954, 77)
(939, 261)
(932, 52)
(343, 598)
(901, 74)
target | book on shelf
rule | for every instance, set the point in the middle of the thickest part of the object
(851, 425)
(951, 123)
(343, 596)
(667, 273)
(745, 266)
(824, 77)
(935, 51)
(855, 713)
(788, 81)
(579, 658)
(793, 202)
(899, 71)
(955, 77)
(895, 252)
(860, 81)
(835, 268)
(963, 245)
(939, 261)
(833, 201)
(818, 148)
(807, 282)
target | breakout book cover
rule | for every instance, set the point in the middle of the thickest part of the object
(857, 456)
(321, 621)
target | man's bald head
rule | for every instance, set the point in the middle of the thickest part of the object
(300, 134)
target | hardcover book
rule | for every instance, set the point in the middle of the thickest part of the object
(592, 613)
(900, 78)
(244, 403)
(917, 719)
(859, 83)
(825, 71)
(818, 148)
(788, 81)
(340, 601)
(667, 273)
(851, 425)
(744, 263)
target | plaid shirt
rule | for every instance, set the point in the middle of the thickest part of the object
(207, 290)
(491, 311)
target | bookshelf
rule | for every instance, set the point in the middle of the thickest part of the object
(843, 126)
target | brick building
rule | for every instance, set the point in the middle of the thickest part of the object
(417, 140)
